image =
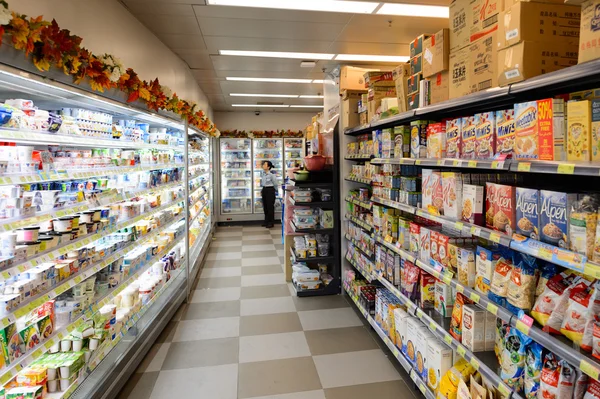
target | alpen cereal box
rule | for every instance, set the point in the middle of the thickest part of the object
(452, 194)
(505, 132)
(439, 361)
(485, 142)
(467, 149)
(528, 212)
(504, 208)
(418, 139)
(555, 209)
(595, 146)
(579, 126)
(436, 140)
(551, 129)
(472, 204)
(490, 205)
(453, 138)
(526, 130)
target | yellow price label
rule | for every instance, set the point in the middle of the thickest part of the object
(474, 297)
(495, 165)
(459, 225)
(503, 390)
(21, 268)
(545, 253)
(38, 353)
(418, 162)
(524, 166)
(460, 288)
(495, 237)
(566, 168)
(422, 387)
(440, 162)
(492, 308)
(461, 350)
(432, 325)
(475, 363)
(448, 339)
(5, 378)
(447, 278)
(524, 328)
(590, 269)
(5, 275)
(589, 369)
(48, 344)
(472, 164)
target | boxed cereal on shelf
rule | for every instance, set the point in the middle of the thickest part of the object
(485, 263)
(504, 208)
(468, 139)
(436, 51)
(422, 360)
(555, 210)
(485, 140)
(418, 139)
(595, 131)
(472, 204)
(427, 290)
(434, 255)
(425, 244)
(436, 140)
(473, 328)
(527, 208)
(437, 195)
(400, 320)
(415, 237)
(453, 137)
(505, 132)
(460, 73)
(551, 129)
(466, 270)
(452, 194)
(579, 124)
(444, 299)
(439, 361)
(526, 131)
(401, 142)
(377, 142)
(414, 328)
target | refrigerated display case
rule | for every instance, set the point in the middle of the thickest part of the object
(267, 150)
(294, 151)
(236, 176)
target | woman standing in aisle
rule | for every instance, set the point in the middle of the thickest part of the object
(268, 182)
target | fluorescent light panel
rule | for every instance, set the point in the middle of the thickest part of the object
(274, 80)
(353, 7)
(414, 10)
(264, 95)
(308, 96)
(278, 54)
(261, 105)
(372, 58)
(306, 106)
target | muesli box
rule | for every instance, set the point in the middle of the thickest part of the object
(490, 205)
(526, 131)
(504, 208)
(418, 139)
(468, 139)
(453, 138)
(555, 208)
(425, 244)
(433, 245)
(452, 194)
(472, 204)
(437, 196)
(427, 188)
(485, 140)
(505, 132)
(527, 208)
(415, 237)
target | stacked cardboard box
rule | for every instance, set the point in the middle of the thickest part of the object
(415, 97)
(436, 51)
(529, 46)
(589, 40)
(352, 86)
(401, 74)
(380, 85)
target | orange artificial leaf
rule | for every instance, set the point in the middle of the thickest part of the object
(42, 64)
(133, 96)
(144, 93)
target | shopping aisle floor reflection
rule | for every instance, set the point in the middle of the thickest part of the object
(246, 335)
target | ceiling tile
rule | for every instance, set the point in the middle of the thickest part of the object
(205, 74)
(209, 87)
(259, 87)
(168, 24)
(183, 42)
(158, 8)
(370, 48)
(216, 43)
(223, 62)
(198, 61)
(271, 14)
(376, 29)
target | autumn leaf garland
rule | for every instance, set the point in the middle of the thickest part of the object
(50, 46)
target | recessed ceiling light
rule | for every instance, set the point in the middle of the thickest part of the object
(372, 58)
(353, 7)
(306, 106)
(309, 96)
(414, 10)
(274, 80)
(261, 105)
(264, 95)
(278, 54)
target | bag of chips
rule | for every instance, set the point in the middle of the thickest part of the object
(550, 307)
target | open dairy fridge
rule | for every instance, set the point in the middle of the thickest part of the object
(294, 153)
(236, 176)
(267, 150)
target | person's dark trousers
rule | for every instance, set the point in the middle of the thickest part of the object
(268, 199)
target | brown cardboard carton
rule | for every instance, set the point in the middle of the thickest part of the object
(460, 23)
(509, 3)
(436, 51)
(416, 63)
(539, 22)
(413, 83)
(528, 59)
(439, 85)
(413, 101)
(484, 17)
(350, 116)
(460, 73)
(589, 42)
(379, 79)
(376, 94)
(483, 63)
(416, 46)
(352, 93)
(401, 74)
(352, 78)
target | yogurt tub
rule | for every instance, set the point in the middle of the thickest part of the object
(51, 240)
(46, 226)
(63, 225)
(52, 373)
(64, 237)
(86, 217)
(44, 241)
(31, 248)
(28, 234)
(74, 222)
(52, 384)
(83, 229)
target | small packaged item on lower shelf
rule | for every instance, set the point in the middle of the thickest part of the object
(473, 328)
(439, 361)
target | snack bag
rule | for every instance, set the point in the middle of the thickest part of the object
(566, 381)
(578, 324)
(551, 306)
(521, 287)
(582, 226)
(581, 383)
(457, 310)
(502, 329)
(463, 391)
(550, 376)
(593, 390)
(500, 281)
(596, 340)
(513, 359)
(547, 271)
(533, 370)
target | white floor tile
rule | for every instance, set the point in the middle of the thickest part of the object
(320, 394)
(223, 255)
(254, 237)
(217, 382)
(250, 307)
(254, 228)
(223, 244)
(263, 279)
(271, 260)
(154, 358)
(280, 252)
(196, 330)
(221, 272)
(216, 295)
(328, 318)
(273, 346)
(256, 248)
(340, 369)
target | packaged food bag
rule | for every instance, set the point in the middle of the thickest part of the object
(500, 281)
(596, 340)
(578, 323)
(533, 370)
(547, 271)
(522, 284)
(550, 307)
(581, 383)
(582, 226)
(593, 390)
(409, 285)
(502, 329)
(513, 359)
(566, 381)
(463, 391)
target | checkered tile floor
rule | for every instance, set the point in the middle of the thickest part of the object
(246, 335)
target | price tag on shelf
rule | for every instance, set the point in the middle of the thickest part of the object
(475, 363)
(589, 369)
(432, 325)
(524, 166)
(545, 253)
(460, 288)
(456, 162)
(422, 387)
(448, 339)
(476, 231)
(418, 162)
(566, 168)
(521, 326)
(461, 350)
(447, 279)
(440, 162)
(503, 390)
(492, 308)
(474, 297)
(458, 225)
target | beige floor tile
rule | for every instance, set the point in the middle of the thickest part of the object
(269, 269)
(339, 340)
(379, 390)
(218, 382)
(224, 249)
(221, 272)
(329, 318)
(249, 238)
(228, 237)
(279, 246)
(139, 386)
(210, 310)
(251, 262)
(216, 294)
(222, 244)
(277, 377)
(154, 358)
(209, 352)
(341, 369)
(251, 307)
(263, 279)
(219, 282)
(262, 254)
(168, 332)
(258, 348)
(223, 255)
(265, 291)
(222, 263)
(258, 248)
(195, 330)
(321, 302)
(269, 324)
(259, 240)
(254, 229)
(231, 232)
(318, 394)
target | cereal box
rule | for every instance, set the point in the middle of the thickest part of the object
(442, 243)
(402, 142)
(466, 266)
(427, 181)
(579, 137)
(452, 194)
(490, 331)
(485, 141)
(418, 139)
(387, 143)
(436, 140)
(437, 194)
(526, 130)
(427, 290)
(444, 299)
(504, 208)
(453, 255)
(490, 205)
(433, 246)
(414, 328)
(595, 146)
(453, 138)
(505, 132)
(473, 328)
(400, 320)
(472, 204)
(527, 208)
(439, 361)
(551, 129)
(468, 139)
(421, 345)
(425, 244)
(415, 238)
(555, 208)
(377, 143)
(485, 263)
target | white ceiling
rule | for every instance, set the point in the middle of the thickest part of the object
(196, 32)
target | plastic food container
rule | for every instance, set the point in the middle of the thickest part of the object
(24, 153)
(28, 234)
(63, 225)
(87, 217)
(46, 226)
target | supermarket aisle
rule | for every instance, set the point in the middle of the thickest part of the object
(246, 336)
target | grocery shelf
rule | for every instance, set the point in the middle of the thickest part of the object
(358, 159)
(363, 204)
(364, 225)
(365, 251)
(317, 230)
(366, 274)
(308, 183)
(314, 204)
(333, 288)
(235, 150)
(322, 259)
(358, 180)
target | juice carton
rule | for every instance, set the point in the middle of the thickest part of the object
(555, 209)
(505, 132)
(595, 146)
(468, 139)
(526, 131)
(472, 204)
(485, 141)
(551, 129)
(436, 140)
(418, 139)
(527, 208)
(453, 137)
(579, 136)
(452, 194)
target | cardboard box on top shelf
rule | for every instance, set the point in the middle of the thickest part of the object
(460, 23)
(436, 51)
(344, 94)
(528, 59)
(413, 83)
(413, 101)
(460, 73)
(363, 118)
(484, 17)
(509, 3)
(352, 78)
(439, 87)
(539, 22)
(350, 117)
(401, 74)
(376, 94)
(416, 46)
(379, 79)
(483, 63)
(589, 41)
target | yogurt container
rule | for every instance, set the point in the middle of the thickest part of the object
(64, 224)
(27, 234)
